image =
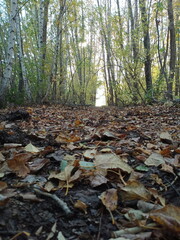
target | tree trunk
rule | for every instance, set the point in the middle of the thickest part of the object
(177, 74)
(147, 47)
(43, 19)
(10, 52)
(172, 62)
(22, 62)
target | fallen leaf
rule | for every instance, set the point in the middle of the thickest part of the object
(156, 196)
(106, 150)
(64, 175)
(155, 159)
(142, 168)
(86, 165)
(3, 185)
(81, 205)
(168, 217)
(49, 186)
(133, 215)
(110, 160)
(135, 190)
(90, 154)
(167, 168)
(2, 158)
(157, 179)
(19, 165)
(110, 198)
(166, 137)
(97, 180)
(61, 138)
(37, 164)
(166, 152)
(77, 123)
(31, 148)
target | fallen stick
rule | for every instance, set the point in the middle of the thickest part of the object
(60, 202)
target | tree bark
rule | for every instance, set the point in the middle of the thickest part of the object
(6, 80)
(43, 19)
(172, 62)
(22, 62)
(147, 47)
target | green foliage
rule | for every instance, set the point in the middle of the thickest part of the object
(82, 41)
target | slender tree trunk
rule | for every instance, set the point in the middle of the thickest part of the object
(172, 62)
(134, 41)
(22, 62)
(147, 46)
(43, 19)
(10, 53)
(177, 75)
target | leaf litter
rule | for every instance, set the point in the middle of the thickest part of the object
(90, 173)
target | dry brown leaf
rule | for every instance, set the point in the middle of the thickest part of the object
(61, 138)
(110, 198)
(158, 198)
(142, 150)
(110, 160)
(168, 217)
(135, 190)
(155, 159)
(81, 205)
(3, 185)
(97, 180)
(167, 168)
(157, 179)
(49, 186)
(74, 138)
(77, 123)
(64, 175)
(37, 164)
(18, 164)
(166, 152)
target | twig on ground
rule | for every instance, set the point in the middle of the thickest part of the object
(60, 202)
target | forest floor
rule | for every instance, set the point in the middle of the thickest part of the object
(95, 173)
